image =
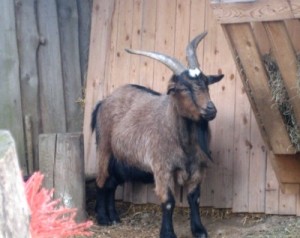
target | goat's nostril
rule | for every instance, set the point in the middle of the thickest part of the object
(210, 105)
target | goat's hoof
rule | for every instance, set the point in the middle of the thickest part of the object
(167, 235)
(104, 221)
(116, 222)
(200, 234)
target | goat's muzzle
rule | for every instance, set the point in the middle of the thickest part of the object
(210, 111)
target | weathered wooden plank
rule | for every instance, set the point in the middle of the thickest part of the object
(260, 10)
(293, 28)
(28, 43)
(298, 204)
(53, 118)
(96, 83)
(295, 5)
(139, 190)
(257, 170)
(121, 65)
(287, 168)
(69, 47)
(197, 26)
(69, 179)
(10, 103)
(181, 40)
(255, 81)
(47, 144)
(164, 41)
(147, 43)
(223, 95)
(137, 17)
(272, 189)
(284, 53)
(14, 210)
(287, 204)
(242, 150)
(85, 19)
(29, 144)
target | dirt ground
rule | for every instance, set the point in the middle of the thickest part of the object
(141, 221)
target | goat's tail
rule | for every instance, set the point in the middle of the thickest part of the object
(94, 116)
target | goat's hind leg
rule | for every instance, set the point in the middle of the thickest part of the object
(198, 230)
(113, 215)
(101, 206)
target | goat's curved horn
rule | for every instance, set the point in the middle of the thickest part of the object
(191, 51)
(169, 61)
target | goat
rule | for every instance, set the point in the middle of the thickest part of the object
(146, 136)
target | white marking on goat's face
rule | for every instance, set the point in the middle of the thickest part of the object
(169, 206)
(194, 72)
(198, 200)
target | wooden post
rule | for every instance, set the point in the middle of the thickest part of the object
(14, 210)
(61, 161)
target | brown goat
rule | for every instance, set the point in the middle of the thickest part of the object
(159, 134)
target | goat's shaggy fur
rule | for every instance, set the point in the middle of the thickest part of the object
(155, 133)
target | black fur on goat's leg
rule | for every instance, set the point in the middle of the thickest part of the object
(111, 187)
(101, 207)
(167, 230)
(198, 230)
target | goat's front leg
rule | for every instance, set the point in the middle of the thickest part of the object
(167, 230)
(198, 230)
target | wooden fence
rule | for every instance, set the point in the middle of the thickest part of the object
(242, 177)
(43, 61)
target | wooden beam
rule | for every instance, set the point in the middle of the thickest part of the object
(284, 53)
(287, 168)
(260, 10)
(295, 5)
(14, 210)
(61, 161)
(255, 81)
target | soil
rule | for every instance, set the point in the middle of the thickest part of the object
(141, 221)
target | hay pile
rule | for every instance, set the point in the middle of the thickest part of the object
(281, 98)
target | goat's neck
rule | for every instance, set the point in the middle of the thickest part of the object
(183, 126)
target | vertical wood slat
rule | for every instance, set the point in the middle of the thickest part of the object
(197, 25)
(164, 41)
(146, 65)
(257, 170)
(139, 190)
(51, 81)
(69, 48)
(84, 28)
(269, 118)
(14, 209)
(242, 150)
(272, 189)
(10, 103)
(293, 28)
(181, 39)
(28, 42)
(47, 148)
(69, 179)
(96, 85)
(222, 94)
(61, 161)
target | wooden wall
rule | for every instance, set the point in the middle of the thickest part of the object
(43, 61)
(242, 177)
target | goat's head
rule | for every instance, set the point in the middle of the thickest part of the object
(188, 86)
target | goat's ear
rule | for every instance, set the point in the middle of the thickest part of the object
(172, 84)
(214, 78)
